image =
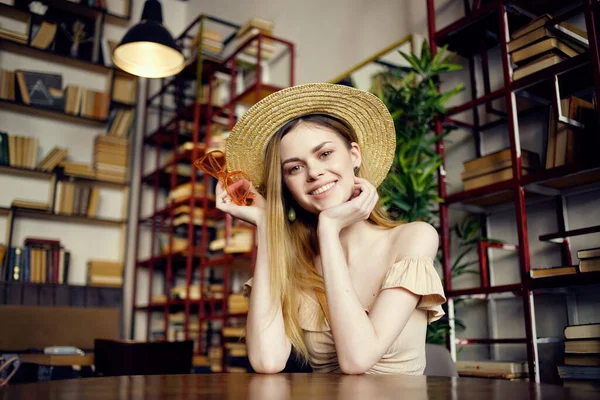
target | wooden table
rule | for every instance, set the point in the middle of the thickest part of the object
(288, 386)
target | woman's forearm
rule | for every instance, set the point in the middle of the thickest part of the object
(267, 344)
(354, 335)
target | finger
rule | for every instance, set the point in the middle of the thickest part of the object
(219, 189)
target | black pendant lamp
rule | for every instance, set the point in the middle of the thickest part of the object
(148, 49)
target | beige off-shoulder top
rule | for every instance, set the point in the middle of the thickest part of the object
(406, 355)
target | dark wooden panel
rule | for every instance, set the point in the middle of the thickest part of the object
(36, 326)
(31, 295)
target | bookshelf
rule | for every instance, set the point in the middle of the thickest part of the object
(178, 111)
(494, 22)
(100, 119)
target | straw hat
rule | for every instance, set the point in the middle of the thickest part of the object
(363, 111)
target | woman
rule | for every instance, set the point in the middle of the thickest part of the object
(349, 289)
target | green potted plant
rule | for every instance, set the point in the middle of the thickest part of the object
(410, 191)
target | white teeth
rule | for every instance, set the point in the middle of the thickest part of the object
(323, 188)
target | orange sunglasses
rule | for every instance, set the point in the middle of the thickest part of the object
(236, 183)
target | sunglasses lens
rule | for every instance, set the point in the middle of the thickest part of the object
(238, 186)
(212, 163)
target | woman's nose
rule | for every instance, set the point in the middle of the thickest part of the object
(314, 171)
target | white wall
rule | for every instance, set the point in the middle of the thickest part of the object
(330, 36)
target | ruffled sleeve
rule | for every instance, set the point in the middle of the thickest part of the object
(247, 288)
(418, 275)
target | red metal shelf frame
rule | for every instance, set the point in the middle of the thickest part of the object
(494, 17)
(168, 137)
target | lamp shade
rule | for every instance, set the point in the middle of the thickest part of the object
(148, 49)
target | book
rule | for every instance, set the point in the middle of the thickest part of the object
(582, 331)
(582, 346)
(41, 89)
(44, 36)
(531, 26)
(496, 369)
(492, 177)
(548, 45)
(579, 372)
(542, 272)
(582, 359)
(490, 161)
(589, 265)
(539, 64)
(588, 253)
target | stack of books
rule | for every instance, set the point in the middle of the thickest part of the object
(495, 167)
(104, 273)
(236, 349)
(581, 367)
(237, 303)
(83, 170)
(537, 46)
(18, 151)
(251, 28)
(111, 158)
(493, 369)
(19, 36)
(72, 199)
(589, 259)
(179, 292)
(212, 42)
(184, 192)
(240, 240)
(215, 358)
(215, 291)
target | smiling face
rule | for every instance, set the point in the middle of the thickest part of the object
(317, 165)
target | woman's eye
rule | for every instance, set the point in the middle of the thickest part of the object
(294, 169)
(326, 154)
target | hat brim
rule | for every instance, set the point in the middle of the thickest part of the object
(362, 111)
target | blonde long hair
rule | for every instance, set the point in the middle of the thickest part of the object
(292, 247)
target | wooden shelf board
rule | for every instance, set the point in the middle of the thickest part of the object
(98, 182)
(25, 213)
(516, 287)
(179, 258)
(49, 113)
(575, 232)
(29, 51)
(560, 178)
(574, 75)
(8, 170)
(563, 281)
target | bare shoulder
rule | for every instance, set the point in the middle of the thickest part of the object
(417, 239)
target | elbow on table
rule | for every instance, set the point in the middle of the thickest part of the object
(271, 366)
(355, 366)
